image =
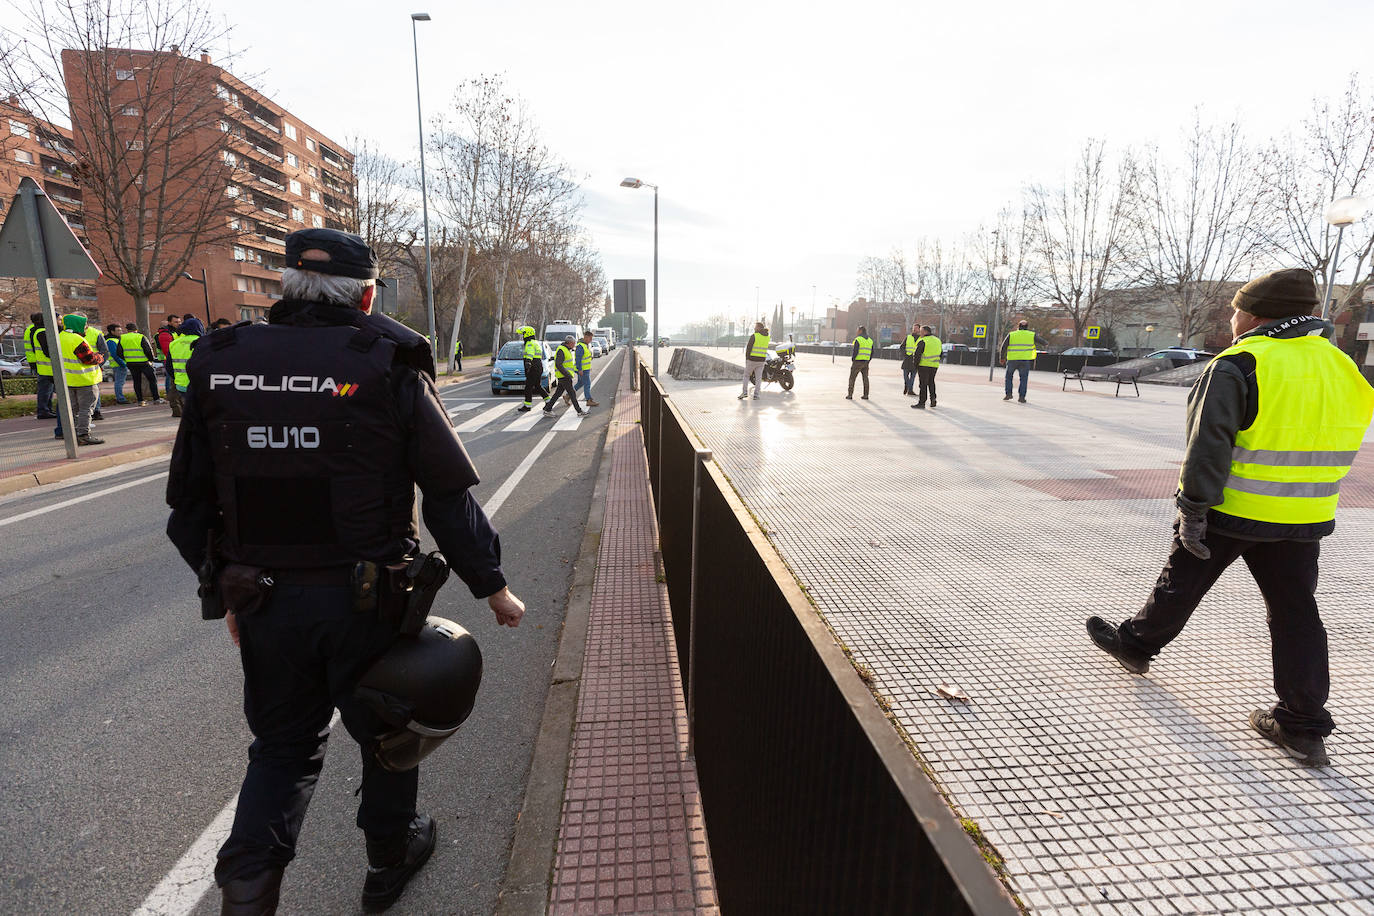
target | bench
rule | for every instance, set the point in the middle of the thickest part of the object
(1102, 374)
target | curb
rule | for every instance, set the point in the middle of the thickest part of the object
(525, 887)
(80, 466)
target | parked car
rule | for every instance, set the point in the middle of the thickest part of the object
(1087, 351)
(598, 347)
(508, 371)
(13, 367)
(1182, 354)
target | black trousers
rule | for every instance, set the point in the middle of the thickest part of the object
(534, 380)
(561, 387)
(303, 653)
(857, 368)
(927, 376)
(140, 372)
(1286, 573)
(166, 378)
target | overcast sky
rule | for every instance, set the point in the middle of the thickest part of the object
(792, 138)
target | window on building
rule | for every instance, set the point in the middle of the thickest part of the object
(135, 144)
(290, 130)
(232, 191)
(312, 171)
(295, 187)
(314, 196)
(224, 126)
(240, 254)
(317, 221)
(24, 156)
(230, 158)
(298, 214)
(292, 161)
(19, 128)
(131, 110)
(310, 144)
(236, 224)
(129, 74)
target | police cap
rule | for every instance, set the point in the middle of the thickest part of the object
(349, 255)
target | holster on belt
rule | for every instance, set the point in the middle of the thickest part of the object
(243, 589)
(413, 586)
(211, 605)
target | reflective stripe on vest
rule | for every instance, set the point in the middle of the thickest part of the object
(533, 349)
(180, 351)
(31, 344)
(930, 351)
(79, 375)
(910, 345)
(584, 356)
(1020, 345)
(42, 361)
(865, 349)
(758, 348)
(562, 362)
(1314, 410)
(132, 345)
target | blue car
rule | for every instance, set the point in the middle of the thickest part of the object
(508, 372)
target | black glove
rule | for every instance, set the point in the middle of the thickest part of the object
(1192, 527)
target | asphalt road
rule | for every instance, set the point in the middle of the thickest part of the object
(123, 736)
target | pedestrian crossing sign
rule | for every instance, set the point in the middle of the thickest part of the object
(980, 330)
(1093, 333)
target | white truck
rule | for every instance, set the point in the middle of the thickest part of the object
(559, 328)
(607, 336)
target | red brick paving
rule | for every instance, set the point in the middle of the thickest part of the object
(632, 837)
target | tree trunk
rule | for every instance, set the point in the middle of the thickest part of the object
(500, 307)
(457, 326)
(141, 314)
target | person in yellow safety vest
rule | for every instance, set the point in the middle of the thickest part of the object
(564, 372)
(40, 365)
(860, 358)
(190, 331)
(138, 356)
(533, 354)
(97, 341)
(755, 355)
(1274, 424)
(458, 356)
(584, 367)
(928, 353)
(1018, 354)
(81, 367)
(909, 362)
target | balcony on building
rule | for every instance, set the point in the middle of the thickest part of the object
(62, 194)
(270, 204)
(333, 159)
(267, 175)
(264, 145)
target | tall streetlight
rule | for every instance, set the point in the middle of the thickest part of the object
(794, 323)
(424, 188)
(1341, 213)
(1001, 273)
(636, 183)
(204, 288)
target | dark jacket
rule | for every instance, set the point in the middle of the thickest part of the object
(1223, 401)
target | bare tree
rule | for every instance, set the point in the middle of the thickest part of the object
(1079, 232)
(385, 217)
(1196, 219)
(151, 130)
(1331, 156)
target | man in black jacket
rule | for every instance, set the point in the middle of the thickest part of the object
(299, 450)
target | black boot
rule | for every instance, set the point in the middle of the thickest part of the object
(394, 861)
(255, 896)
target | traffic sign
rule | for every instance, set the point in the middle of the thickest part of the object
(66, 258)
(1093, 333)
(980, 330)
(629, 296)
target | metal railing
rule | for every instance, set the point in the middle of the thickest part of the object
(812, 802)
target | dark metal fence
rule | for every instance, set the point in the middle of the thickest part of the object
(812, 802)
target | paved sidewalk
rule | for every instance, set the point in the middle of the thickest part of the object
(632, 837)
(27, 444)
(966, 545)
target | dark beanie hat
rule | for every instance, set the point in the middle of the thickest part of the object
(1281, 294)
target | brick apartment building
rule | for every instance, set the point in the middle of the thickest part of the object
(34, 148)
(282, 175)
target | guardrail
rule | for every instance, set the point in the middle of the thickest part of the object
(812, 802)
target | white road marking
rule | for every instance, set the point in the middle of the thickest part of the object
(525, 421)
(32, 513)
(462, 407)
(569, 420)
(485, 417)
(521, 469)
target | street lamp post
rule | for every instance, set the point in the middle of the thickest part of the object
(794, 323)
(636, 183)
(1341, 213)
(424, 188)
(1001, 273)
(1149, 329)
(204, 288)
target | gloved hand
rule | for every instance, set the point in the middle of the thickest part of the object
(1192, 528)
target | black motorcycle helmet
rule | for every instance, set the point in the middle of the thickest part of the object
(424, 687)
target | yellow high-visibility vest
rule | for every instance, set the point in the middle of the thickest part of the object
(31, 344)
(534, 349)
(180, 352)
(79, 375)
(1020, 345)
(42, 362)
(930, 352)
(1314, 409)
(584, 356)
(910, 345)
(562, 364)
(131, 343)
(758, 348)
(865, 349)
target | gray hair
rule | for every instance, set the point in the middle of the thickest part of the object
(311, 286)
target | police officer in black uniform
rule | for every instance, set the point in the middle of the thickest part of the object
(292, 489)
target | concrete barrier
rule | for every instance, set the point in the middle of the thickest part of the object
(692, 365)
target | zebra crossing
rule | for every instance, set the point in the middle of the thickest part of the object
(505, 418)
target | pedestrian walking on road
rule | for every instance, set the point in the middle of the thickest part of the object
(116, 361)
(860, 358)
(41, 367)
(81, 366)
(755, 355)
(296, 506)
(138, 356)
(458, 355)
(534, 368)
(1018, 355)
(584, 367)
(1274, 424)
(564, 372)
(928, 352)
(909, 362)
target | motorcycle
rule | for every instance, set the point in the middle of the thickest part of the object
(779, 366)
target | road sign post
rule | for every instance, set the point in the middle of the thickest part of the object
(1093, 333)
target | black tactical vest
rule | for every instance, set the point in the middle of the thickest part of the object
(309, 450)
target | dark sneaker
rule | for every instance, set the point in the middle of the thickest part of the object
(522, 408)
(1308, 750)
(849, 397)
(864, 398)
(1106, 638)
(918, 407)
(1020, 400)
(392, 863)
(742, 397)
(97, 416)
(255, 896)
(1007, 398)
(89, 440)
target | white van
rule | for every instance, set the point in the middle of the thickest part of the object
(607, 336)
(560, 328)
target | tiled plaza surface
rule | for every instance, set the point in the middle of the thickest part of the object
(966, 545)
(631, 839)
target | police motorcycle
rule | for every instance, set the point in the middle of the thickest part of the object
(779, 366)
